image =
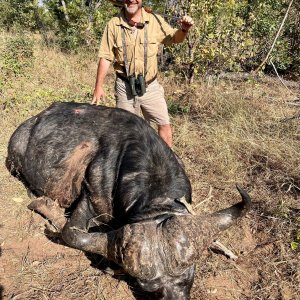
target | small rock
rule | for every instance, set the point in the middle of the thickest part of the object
(212, 291)
(18, 199)
(36, 263)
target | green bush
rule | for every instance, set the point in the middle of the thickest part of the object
(17, 55)
(227, 36)
(17, 14)
(235, 36)
(178, 109)
(80, 25)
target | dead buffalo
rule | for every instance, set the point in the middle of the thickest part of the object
(131, 195)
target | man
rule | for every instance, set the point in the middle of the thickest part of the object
(131, 40)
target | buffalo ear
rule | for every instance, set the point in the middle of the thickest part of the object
(188, 206)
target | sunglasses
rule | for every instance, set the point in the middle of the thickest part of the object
(136, 24)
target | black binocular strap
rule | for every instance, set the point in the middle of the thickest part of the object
(145, 50)
(125, 51)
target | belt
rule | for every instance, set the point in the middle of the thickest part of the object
(124, 78)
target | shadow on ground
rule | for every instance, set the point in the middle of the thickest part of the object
(107, 267)
(111, 268)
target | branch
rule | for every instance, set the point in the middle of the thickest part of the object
(98, 4)
(276, 37)
(280, 79)
(63, 3)
(218, 247)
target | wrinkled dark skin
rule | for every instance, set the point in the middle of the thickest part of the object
(122, 176)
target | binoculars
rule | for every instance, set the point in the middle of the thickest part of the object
(137, 85)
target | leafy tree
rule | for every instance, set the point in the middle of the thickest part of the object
(18, 14)
(79, 22)
(234, 35)
(217, 40)
(228, 35)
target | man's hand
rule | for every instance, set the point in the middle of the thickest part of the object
(186, 23)
(103, 67)
(98, 94)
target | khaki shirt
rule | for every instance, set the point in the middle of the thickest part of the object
(111, 48)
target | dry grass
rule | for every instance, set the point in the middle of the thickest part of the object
(225, 132)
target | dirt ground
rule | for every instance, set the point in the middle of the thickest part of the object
(33, 266)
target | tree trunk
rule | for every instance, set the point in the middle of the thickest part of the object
(63, 3)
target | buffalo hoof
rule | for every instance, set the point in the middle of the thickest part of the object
(50, 210)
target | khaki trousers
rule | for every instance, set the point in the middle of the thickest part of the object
(152, 104)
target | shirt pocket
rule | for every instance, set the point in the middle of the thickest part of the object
(119, 51)
(152, 46)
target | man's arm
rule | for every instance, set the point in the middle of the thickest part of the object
(103, 67)
(185, 23)
(179, 36)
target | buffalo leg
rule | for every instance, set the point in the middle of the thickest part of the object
(75, 232)
(50, 210)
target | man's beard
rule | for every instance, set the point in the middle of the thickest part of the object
(133, 8)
